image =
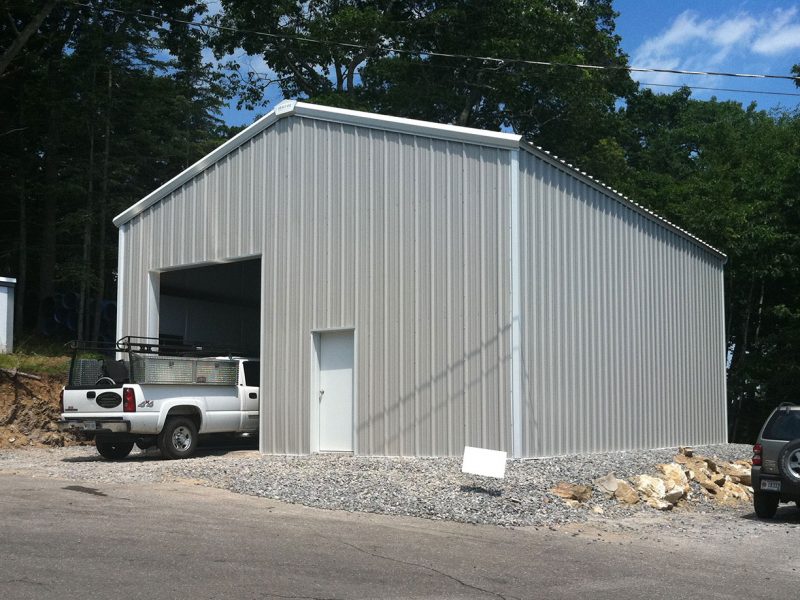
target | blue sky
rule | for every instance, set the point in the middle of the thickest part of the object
(742, 36)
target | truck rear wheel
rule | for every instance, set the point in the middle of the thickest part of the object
(113, 450)
(178, 439)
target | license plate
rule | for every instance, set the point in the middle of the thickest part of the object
(770, 485)
(89, 425)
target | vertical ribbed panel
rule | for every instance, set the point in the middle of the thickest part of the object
(401, 238)
(623, 345)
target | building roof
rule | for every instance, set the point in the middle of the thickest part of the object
(494, 139)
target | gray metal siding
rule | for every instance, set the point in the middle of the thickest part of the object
(401, 238)
(398, 238)
(622, 335)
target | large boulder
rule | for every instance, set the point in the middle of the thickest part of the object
(607, 485)
(674, 492)
(572, 491)
(737, 473)
(659, 504)
(625, 492)
(674, 473)
(650, 487)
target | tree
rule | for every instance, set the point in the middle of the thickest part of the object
(103, 105)
(396, 57)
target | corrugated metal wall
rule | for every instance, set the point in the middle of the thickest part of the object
(402, 238)
(622, 327)
(406, 240)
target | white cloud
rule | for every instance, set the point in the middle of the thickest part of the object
(737, 41)
(782, 36)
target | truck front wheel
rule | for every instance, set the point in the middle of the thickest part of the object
(178, 439)
(113, 450)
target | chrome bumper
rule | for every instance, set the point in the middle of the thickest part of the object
(94, 426)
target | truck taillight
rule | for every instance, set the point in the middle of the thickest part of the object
(128, 400)
(61, 399)
(757, 455)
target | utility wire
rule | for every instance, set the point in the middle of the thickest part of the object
(717, 89)
(499, 61)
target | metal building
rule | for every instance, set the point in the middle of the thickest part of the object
(412, 288)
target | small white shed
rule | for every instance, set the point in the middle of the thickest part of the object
(7, 285)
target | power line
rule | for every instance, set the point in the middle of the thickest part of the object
(716, 89)
(420, 53)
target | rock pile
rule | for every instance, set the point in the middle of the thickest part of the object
(686, 479)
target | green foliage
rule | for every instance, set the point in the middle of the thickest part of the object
(568, 110)
(96, 110)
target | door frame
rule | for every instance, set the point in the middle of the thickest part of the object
(316, 355)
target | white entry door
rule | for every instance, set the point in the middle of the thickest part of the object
(336, 391)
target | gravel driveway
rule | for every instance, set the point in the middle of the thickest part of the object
(432, 488)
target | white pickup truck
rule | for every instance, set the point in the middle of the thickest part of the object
(158, 399)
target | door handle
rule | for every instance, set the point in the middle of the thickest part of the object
(321, 394)
(253, 395)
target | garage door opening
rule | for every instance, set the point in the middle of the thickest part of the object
(219, 305)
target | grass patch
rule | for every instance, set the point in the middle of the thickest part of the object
(36, 364)
(38, 355)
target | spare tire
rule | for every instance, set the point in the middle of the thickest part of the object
(789, 461)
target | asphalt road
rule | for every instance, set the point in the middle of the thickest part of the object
(63, 539)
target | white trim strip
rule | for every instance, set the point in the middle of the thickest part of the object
(123, 230)
(516, 313)
(469, 135)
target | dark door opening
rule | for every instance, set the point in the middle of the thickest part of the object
(219, 305)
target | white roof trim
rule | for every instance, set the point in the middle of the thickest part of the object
(615, 195)
(337, 115)
(454, 133)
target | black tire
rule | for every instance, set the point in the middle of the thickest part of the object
(145, 443)
(765, 504)
(178, 439)
(789, 461)
(113, 450)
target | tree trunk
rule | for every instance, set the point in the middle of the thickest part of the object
(101, 242)
(22, 257)
(87, 221)
(738, 358)
(47, 257)
(22, 264)
(87, 237)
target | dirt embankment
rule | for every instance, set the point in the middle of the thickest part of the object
(29, 409)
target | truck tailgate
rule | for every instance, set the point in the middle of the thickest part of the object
(92, 400)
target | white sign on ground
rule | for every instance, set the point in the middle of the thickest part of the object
(488, 463)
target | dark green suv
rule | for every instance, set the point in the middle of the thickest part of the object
(776, 461)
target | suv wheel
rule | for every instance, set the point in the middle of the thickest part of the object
(789, 461)
(765, 504)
